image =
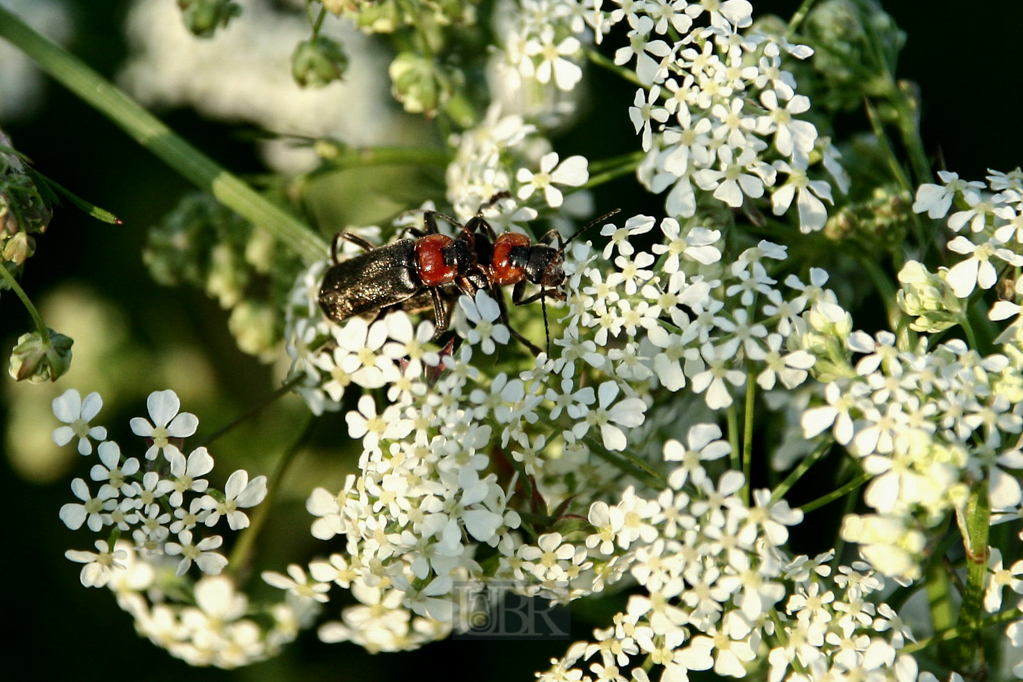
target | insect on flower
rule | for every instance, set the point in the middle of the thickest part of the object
(513, 259)
(432, 270)
(404, 273)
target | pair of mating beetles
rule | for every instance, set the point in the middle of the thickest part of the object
(432, 270)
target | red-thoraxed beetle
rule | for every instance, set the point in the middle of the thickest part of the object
(403, 273)
(513, 259)
(434, 269)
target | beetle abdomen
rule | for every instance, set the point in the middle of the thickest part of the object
(370, 281)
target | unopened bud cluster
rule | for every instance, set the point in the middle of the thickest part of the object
(206, 245)
(23, 213)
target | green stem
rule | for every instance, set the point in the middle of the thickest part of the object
(832, 496)
(607, 176)
(939, 599)
(152, 134)
(955, 633)
(340, 157)
(41, 327)
(735, 458)
(280, 392)
(895, 166)
(605, 63)
(971, 336)
(798, 17)
(886, 288)
(601, 165)
(975, 528)
(241, 555)
(801, 469)
(629, 464)
(747, 434)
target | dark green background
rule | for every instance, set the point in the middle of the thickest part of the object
(965, 58)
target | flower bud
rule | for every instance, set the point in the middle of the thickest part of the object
(254, 327)
(856, 44)
(18, 248)
(337, 7)
(318, 62)
(37, 359)
(415, 83)
(928, 298)
(204, 17)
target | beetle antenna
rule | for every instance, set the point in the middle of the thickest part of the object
(586, 227)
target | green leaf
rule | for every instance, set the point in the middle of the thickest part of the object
(49, 189)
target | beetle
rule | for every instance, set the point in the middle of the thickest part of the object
(404, 273)
(512, 259)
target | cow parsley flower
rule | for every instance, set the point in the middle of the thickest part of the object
(571, 172)
(76, 414)
(167, 423)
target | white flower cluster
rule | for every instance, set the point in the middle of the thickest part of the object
(163, 502)
(931, 422)
(993, 242)
(927, 423)
(448, 450)
(719, 588)
(716, 110)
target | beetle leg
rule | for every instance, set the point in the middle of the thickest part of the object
(498, 293)
(556, 294)
(549, 237)
(440, 313)
(349, 237)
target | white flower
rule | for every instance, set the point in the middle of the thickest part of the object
(643, 110)
(99, 566)
(937, 199)
(482, 312)
(95, 511)
(572, 173)
(628, 413)
(109, 470)
(812, 212)
(298, 584)
(735, 178)
(792, 137)
(187, 474)
(167, 423)
(238, 493)
(76, 413)
(369, 362)
(209, 562)
(977, 270)
(566, 73)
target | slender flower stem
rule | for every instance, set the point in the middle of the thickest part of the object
(895, 165)
(280, 392)
(886, 288)
(971, 336)
(747, 433)
(341, 157)
(955, 633)
(834, 495)
(629, 464)
(41, 327)
(801, 468)
(152, 134)
(603, 62)
(798, 17)
(241, 555)
(735, 458)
